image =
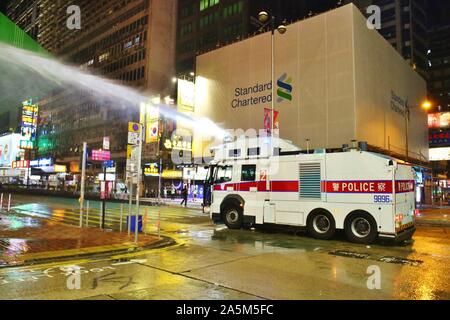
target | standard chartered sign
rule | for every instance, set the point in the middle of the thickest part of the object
(262, 93)
(248, 96)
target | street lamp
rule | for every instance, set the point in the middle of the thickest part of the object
(426, 105)
(264, 20)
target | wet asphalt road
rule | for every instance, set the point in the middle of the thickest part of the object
(212, 262)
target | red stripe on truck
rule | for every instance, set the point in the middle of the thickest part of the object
(361, 186)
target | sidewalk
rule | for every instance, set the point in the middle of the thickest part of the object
(433, 216)
(25, 240)
(176, 202)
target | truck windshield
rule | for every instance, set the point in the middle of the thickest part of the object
(223, 174)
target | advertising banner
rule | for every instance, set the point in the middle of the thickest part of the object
(268, 121)
(101, 155)
(439, 120)
(9, 149)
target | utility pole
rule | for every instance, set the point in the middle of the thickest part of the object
(104, 197)
(159, 178)
(83, 182)
(138, 192)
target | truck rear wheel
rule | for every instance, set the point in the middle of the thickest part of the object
(361, 227)
(232, 217)
(321, 225)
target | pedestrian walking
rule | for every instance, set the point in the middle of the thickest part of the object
(184, 193)
(194, 193)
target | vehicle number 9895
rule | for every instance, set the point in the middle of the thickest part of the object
(381, 198)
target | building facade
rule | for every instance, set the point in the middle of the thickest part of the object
(439, 68)
(335, 81)
(131, 42)
(404, 26)
(204, 25)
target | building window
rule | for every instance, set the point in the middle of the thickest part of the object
(248, 172)
(205, 4)
(233, 9)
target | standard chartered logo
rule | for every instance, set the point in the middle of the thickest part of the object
(260, 93)
(284, 91)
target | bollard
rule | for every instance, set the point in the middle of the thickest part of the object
(1, 202)
(9, 203)
(145, 221)
(100, 215)
(87, 214)
(121, 216)
(159, 224)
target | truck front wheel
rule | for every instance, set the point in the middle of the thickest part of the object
(232, 217)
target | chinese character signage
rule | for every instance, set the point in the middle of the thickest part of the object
(29, 121)
(151, 170)
(26, 145)
(439, 138)
(101, 155)
(22, 164)
(178, 143)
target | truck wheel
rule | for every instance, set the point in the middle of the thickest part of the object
(361, 227)
(232, 217)
(321, 225)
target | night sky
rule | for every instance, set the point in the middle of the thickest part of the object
(439, 12)
(3, 4)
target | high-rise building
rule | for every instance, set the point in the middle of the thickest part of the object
(439, 68)
(26, 15)
(404, 25)
(129, 41)
(206, 24)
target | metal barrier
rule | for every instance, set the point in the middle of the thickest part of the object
(115, 217)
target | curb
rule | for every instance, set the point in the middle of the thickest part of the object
(164, 242)
(432, 224)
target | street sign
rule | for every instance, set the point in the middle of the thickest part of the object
(134, 127)
(109, 164)
(106, 143)
(133, 138)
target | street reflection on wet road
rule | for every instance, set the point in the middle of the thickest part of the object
(212, 262)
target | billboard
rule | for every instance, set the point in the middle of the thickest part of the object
(439, 154)
(439, 120)
(9, 149)
(29, 123)
(186, 96)
(150, 116)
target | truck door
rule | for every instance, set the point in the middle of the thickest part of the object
(248, 186)
(404, 193)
